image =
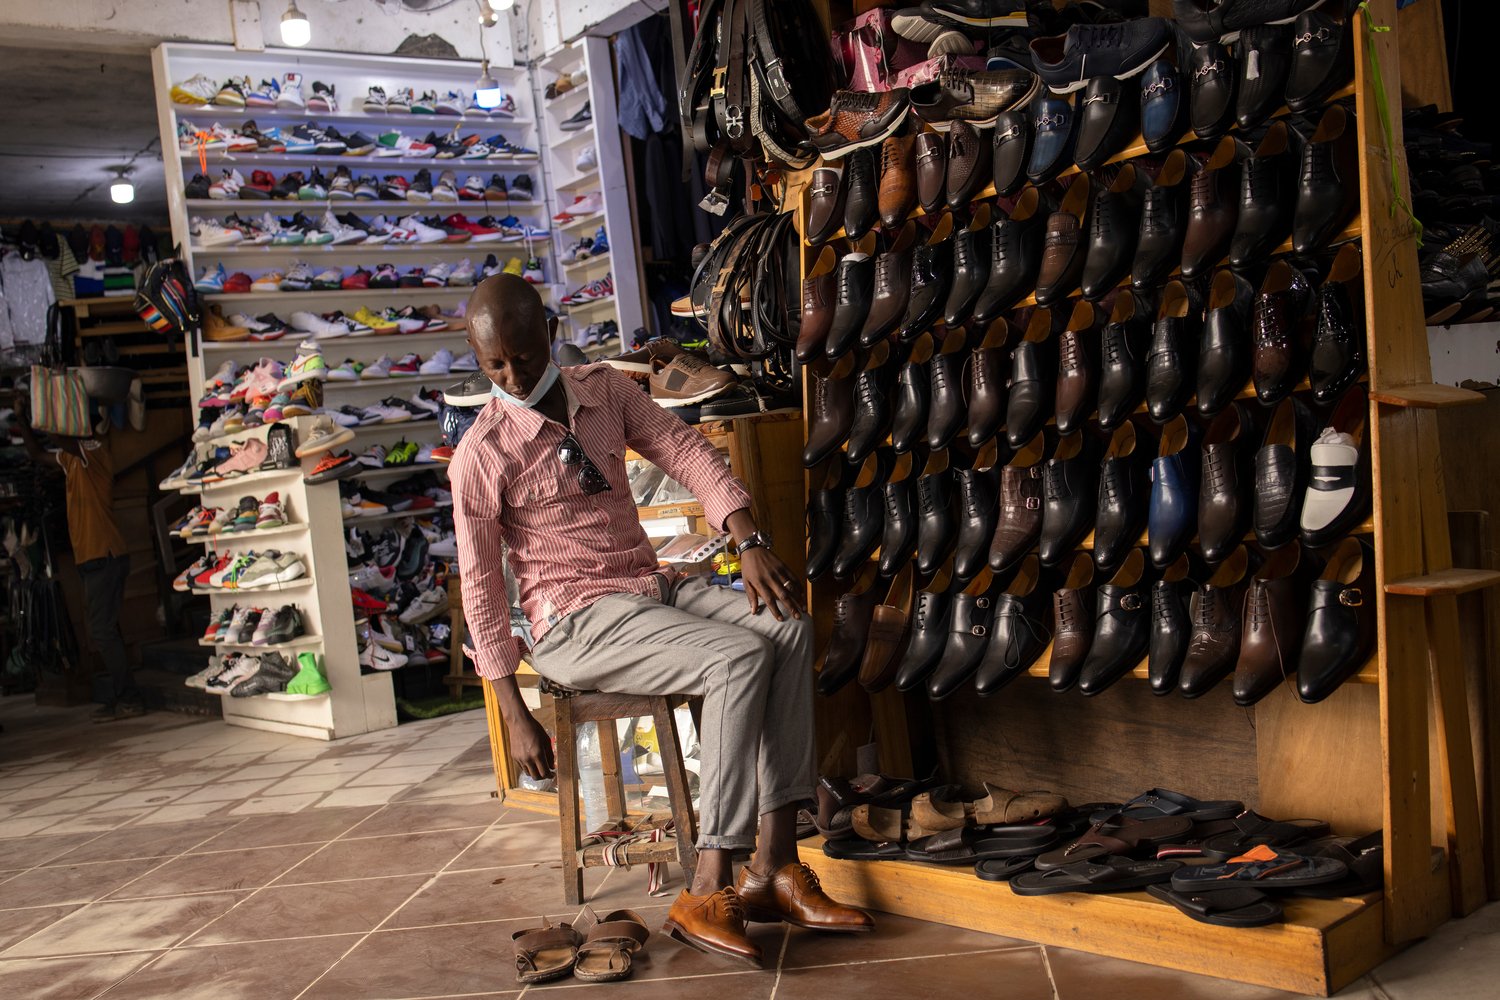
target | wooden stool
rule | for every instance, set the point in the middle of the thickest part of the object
(575, 707)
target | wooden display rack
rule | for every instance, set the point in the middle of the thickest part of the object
(1391, 753)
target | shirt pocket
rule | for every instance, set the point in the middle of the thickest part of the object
(540, 489)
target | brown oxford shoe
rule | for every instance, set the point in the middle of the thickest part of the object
(714, 923)
(898, 179)
(794, 896)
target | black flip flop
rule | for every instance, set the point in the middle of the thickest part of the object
(1364, 857)
(1002, 869)
(976, 843)
(1238, 907)
(1265, 868)
(1107, 875)
(1165, 802)
(1254, 830)
(858, 849)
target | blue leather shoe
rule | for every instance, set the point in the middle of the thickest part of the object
(1163, 106)
(1173, 517)
(1052, 122)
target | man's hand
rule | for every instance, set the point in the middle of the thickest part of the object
(530, 746)
(768, 579)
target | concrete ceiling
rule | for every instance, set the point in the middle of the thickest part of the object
(69, 116)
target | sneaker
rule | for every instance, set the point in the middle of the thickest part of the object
(579, 120)
(446, 188)
(479, 232)
(232, 93)
(533, 272)
(227, 186)
(426, 104)
(346, 372)
(298, 278)
(441, 363)
(197, 89)
(465, 362)
(463, 274)
(291, 92)
(323, 98)
(375, 100)
(379, 368)
(393, 143)
(429, 604)
(235, 668)
(437, 275)
(423, 232)
(307, 366)
(474, 189)
(393, 187)
(522, 184)
(587, 160)
(505, 109)
(272, 513)
(420, 188)
(385, 276)
(405, 321)
(476, 390)
(333, 465)
(495, 190)
(410, 364)
(212, 279)
(304, 400)
(263, 96)
(310, 679)
(268, 282)
(399, 102)
(273, 567)
(376, 657)
(451, 103)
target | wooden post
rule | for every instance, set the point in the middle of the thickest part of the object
(567, 802)
(675, 776)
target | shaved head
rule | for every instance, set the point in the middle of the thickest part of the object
(505, 308)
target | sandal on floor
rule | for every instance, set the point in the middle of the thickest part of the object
(975, 843)
(1165, 802)
(1119, 836)
(1002, 869)
(1239, 907)
(609, 945)
(1263, 867)
(855, 849)
(1106, 875)
(1253, 830)
(545, 953)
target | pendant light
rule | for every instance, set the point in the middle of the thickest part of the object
(502, 5)
(122, 192)
(486, 90)
(295, 31)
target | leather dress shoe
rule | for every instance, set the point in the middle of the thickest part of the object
(897, 194)
(832, 412)
(712, 924)
(856, 288)
(937, 526)
(928, 632)
(1033, 381)
(1124, 495)
(1020, 634)
(825, 522)
(1052, 131)
(1066, 244)
(1284, 320)
(1072, 623)
(1322, 55)
(972, 98)
(1341, 621)
(1214, 625)
(1172, 362)
(1268, 196)
(1109, 118)
(968, 164)
(1264, 53)
(851, 627)
(1010, 152)
(825, 204)
(1228, 473)
(932, 171)
(1327, 182)
(931, 276)
(898, 543)
(1281, 469)
(1271, 634)
(1169, 626)
(1018, 519)
(1122, 626)
(978, 489)
(891, 288)
(1114, 226)
(971, 267)
(1223, 358)
(971, 621)
(1126, 341)
(946, 412)
(890, 629)
(819, 298)
(1163, 222)
(864, 516)
(1213, 208)
(1173, 517)
(1077, 367)
(1211, 76)
(1164, 106)
(872, 408)
(913, 395)
(1206, 20)
(1338, 485)
(793, 895)
(862, 193)
(989, 375)
(1338, 353)
(1017, 241)
(1071, 478)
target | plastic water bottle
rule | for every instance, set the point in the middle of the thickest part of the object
(591, 778)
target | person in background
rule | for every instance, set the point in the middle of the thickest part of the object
(98, 551)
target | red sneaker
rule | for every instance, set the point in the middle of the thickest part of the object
(442, 453)
(239, 281)
(365, 601)
(220, 564)
(359, 279)
(260, 180)
(474, 229)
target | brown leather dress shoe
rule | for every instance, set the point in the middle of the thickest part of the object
(714, 924)
(793, 895)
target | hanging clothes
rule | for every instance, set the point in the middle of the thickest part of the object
(643, 109)
(28, 297)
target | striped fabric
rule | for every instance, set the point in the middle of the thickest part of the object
(567, 550)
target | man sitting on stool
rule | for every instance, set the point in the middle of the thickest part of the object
(542, 470)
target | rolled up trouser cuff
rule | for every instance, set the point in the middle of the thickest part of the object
(774, 802)
(709, 842)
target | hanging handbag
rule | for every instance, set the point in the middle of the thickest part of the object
(59, 402)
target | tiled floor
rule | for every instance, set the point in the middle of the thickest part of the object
(169, 857)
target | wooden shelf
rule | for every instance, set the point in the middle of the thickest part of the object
(1368, 674)
(1445, 582)
(1426, 397)
(301, 642)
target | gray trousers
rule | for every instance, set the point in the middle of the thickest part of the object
(103, 594)
(753, 673)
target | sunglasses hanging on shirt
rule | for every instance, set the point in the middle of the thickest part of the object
(590, 480)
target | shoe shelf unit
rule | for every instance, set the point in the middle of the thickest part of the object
(1390, 753)
(606, 181)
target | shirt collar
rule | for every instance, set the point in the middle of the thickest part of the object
(577, 386)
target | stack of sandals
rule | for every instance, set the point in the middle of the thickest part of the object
(590, 949)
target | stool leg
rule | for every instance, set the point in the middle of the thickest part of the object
(567, 802)
(675, 775)
(614, 785)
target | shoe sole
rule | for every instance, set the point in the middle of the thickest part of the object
(318, 445)
(689, 400)
(676, 933)
(942, 17)
(874, 140)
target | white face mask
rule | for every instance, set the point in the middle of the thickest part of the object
(543, 385)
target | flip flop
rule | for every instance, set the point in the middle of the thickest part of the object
(1254, 830)
(1119, 836)
(1002, 869)
(609, 945)
(1261, 866)
(1364, 857)
(975, 843)
(1165, 802)
(545, 953)
(1108, 875)
(855, 849)
(1192, 845)
(1225, 907)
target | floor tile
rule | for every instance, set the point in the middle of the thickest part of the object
(72, 883)
(1022, 971)
(275, 804)
(273, 770)
(228, 791)
(125, 925)
(1080, 974)
(27, 852)
(194, 778)
(154, 841)
(1460, 961)
(512, 844)
(234, 971)
(452, 783)
(144, 797)
(399, 818)
(63, 807)
(304, 784)
(95, 822)
(68, 978)
(18, 924)
(469, 958)
(315, 826)
(384, 775)
(101, 786)
(25, 826)
(244, 869)
(893, 937)
(342, 765)
(408, 854)
(373, 796)
(177, 812)
(354, 906)
(492, 894)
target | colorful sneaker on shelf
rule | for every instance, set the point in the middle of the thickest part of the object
(451, 103)
(272, 513)
(379, 368)
(310, 679)
(232, 93)
(533, 272)
(212, 279)
(298, 278)
(290, 97)
(346, 372)
(264, 96)
(323, 435)
(395, 143)
(375, 100)
(307, 366)
(376, 321)
(268, 282)
(356, 280)
(324, 98)
(410, 364)
(399, 101)
(305, 400)
(385, 276)
(426, 104)
(316, 187)
(328, 279)
(194, 90)
(333, 466)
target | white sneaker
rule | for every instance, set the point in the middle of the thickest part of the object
(441, 363)
(444, 548)
(377, 657)
(379, 368)
(584, 206)
(197, 89)
(383, 636)
(452, 103)
(291, 92)
(235, 668)
(587, 160)
(400, 144)
(387, 415)
(423, 232)
(312, 323)
(213, 233)
(227, 186)
(465, 362)
(375, 101)
(463, 274)
(428, 605)
(342, 234)
(345, 372)
(436, 276)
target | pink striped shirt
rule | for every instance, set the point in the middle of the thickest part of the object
(567, 550)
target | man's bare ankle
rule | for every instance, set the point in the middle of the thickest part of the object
(766, 867)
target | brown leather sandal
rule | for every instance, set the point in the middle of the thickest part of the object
(931, 813)
(545, 953)
(609, 946)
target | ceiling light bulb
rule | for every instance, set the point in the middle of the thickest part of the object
(295, 31)
(502, 4)
(122, 192)
(486, 90)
